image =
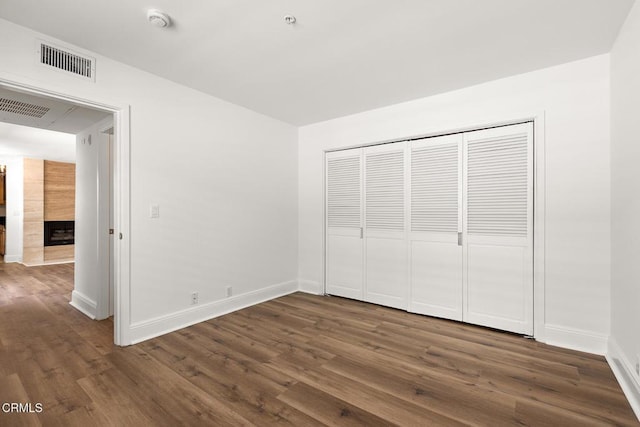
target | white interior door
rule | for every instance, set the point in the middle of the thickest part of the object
(344, 269)
(385, 225)
(436, 220)
(498, 225)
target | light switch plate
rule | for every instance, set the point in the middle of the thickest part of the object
(154, 211)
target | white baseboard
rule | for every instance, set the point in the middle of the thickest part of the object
(40, 264)
(310, 287)
(141, 331)
(12, 258)
(71, 261)
(576, 339)
(624, 372)
(83, 304)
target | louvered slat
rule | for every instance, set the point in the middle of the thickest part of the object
(343, 192)
(385, 190)
(497, 186)
(434, 188)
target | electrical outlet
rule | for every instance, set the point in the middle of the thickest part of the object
(229, 291)
(194, 298)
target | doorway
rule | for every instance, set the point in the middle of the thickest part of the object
(113, 266)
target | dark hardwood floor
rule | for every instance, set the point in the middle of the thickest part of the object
(299, 360)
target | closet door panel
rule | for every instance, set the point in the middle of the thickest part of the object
(344, 266)
(436, 219)
(385, 222)
(499, 269)
(344, 244)
(386, 274)
(436, 279)
(498, 218)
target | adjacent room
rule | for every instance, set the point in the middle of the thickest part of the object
(319, 213)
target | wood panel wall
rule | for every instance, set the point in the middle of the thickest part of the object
(59, 253)
(49, 195)
(33, 235)
(59, 191)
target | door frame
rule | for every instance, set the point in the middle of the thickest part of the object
(122, 206)
(539, 185)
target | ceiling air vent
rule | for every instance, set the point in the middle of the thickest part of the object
(65, 60)
(22, 108)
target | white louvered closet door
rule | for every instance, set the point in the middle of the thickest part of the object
(436, 220)
(498, 223)
(385, 222)
(344, 268)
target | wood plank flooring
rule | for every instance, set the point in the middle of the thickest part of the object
(299, 360)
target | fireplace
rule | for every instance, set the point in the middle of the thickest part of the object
(59, 233)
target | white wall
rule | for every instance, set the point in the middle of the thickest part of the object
(624, 345)
(14, 208)
(575, 101)
(223, 176)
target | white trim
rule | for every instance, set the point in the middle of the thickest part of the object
(576, 339)
(539, 206)
(38, 264)
(122, 210)
(69, 261)
(122, 224)
(12, 258)
(141, 331)
(83, 304)
(623, 370)
(310, 287)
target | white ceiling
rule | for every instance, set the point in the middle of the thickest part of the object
(342, 56)
(52, 136)
(60, 116)
(23, 141)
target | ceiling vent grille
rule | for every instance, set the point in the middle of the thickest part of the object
(66, 60)
(22, 108)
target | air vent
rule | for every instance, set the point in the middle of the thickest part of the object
(22, 108)
(65, 60)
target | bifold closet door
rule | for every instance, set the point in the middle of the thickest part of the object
(385, 222)
(436, 221)
(344, 213)
(440, 226)
(498, 221)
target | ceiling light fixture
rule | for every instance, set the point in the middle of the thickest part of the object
(290, 19)
(158, 18)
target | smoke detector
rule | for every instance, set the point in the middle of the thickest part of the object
(158, 19)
